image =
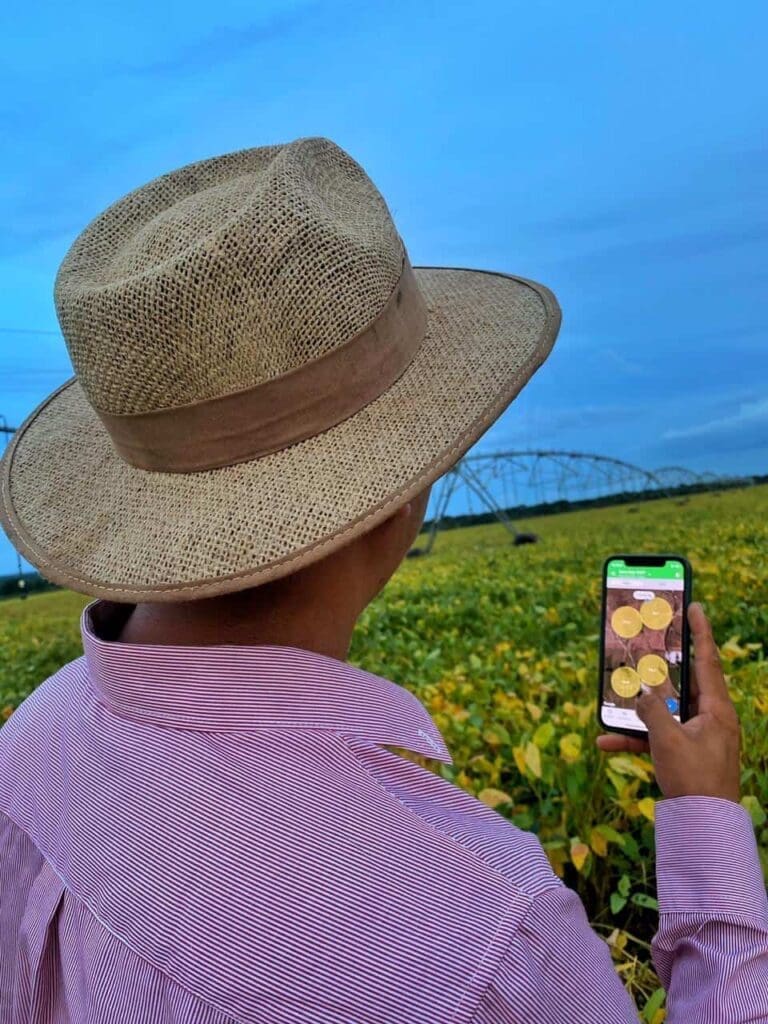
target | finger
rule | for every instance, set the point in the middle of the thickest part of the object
(709, 672)
(653, 711)
(614, 743)
(693, 683)
(693, 692)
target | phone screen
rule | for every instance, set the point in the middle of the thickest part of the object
(642, 637)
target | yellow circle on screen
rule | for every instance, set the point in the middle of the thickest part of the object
(652, 669)
(625, 681)
(657, 613)
(626, 622)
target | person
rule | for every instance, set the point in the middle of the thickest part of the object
(199, 818)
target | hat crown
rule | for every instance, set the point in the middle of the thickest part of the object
(224, 274)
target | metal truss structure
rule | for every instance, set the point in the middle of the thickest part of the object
(500, 481)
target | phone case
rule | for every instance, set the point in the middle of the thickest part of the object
(685, 640)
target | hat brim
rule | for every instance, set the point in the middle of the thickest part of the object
(91, 522)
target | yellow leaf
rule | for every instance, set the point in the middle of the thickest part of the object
(617, 939)
(585, 713)
(555, 863)
(732, 649)
(493, 797)
(579, 853)
(647, 807)
(533, 711)
(491, 738)
(570, 747)
(6, 712)
(533, 759)
(557, 856)
(598, 843)
(643, 768)
(519, 755)
(629, 764)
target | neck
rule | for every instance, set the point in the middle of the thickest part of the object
(249, 618)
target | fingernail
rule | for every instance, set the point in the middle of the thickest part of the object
(645, 688)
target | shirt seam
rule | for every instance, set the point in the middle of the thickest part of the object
(482, 992)
(505, 916)
(555, 886)
(719, 916)
(443, 835)
(68, 889)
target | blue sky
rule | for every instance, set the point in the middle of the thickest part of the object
(614, 151)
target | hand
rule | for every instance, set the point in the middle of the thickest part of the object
(700, 757)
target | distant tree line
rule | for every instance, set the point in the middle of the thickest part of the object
(549, 508)
(27, 583)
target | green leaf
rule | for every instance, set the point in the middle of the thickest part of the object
(543, 734)
(618, 781)
(756, 812)
(610, 834)
(631, 848)
(653, 1005)
(624, 885)
(642, 899)
(574, 784)
(617, 902)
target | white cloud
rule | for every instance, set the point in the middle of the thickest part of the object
(750, 414)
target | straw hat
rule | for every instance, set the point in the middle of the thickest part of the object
(260, 377)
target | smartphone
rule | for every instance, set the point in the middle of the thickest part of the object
(644, 637)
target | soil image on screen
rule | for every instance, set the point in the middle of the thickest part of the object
(643, 644)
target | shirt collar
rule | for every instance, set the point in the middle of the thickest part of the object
(232, 687)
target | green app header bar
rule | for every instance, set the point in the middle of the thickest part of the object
(671, 570)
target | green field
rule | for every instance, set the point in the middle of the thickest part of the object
(500, 644)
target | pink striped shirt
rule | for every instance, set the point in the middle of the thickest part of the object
(213, 835)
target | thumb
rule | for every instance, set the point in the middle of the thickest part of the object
(653, 711)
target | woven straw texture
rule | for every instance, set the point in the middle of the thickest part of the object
(267, 258)
(163, 301)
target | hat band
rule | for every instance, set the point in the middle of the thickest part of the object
(247, 424)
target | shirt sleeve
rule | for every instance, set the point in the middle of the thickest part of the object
(556, 970)
(711, 947)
